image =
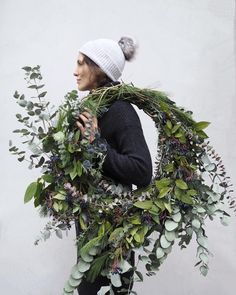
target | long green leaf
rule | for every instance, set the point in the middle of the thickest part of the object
(96, 267)
(30, 192)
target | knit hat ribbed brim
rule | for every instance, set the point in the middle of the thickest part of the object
(107, 54)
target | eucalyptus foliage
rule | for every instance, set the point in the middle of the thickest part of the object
(189, 184)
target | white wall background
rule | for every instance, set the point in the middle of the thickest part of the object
(186, 49)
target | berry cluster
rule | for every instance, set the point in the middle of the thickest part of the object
(146, 218)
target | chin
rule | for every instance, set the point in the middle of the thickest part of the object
(80, 88)
(83, 88)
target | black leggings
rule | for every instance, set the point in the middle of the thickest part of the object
(87, 288)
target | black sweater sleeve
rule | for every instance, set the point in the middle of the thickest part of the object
(128, 159)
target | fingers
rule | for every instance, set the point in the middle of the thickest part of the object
(81, 127)
(87, 114)
(86, 119)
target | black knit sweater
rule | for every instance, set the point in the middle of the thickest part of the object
(128, 159)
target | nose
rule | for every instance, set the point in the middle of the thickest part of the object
(75, 73)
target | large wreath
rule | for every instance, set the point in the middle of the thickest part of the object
(189, 184)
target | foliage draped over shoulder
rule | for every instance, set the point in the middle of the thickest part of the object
(189, 184)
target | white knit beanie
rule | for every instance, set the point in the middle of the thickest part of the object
(109, 55)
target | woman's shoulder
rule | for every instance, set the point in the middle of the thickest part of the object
(122, 106)
(123, 113)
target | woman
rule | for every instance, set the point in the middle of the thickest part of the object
(100, 64)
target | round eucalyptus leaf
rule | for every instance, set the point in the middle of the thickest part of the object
(144, 259)
(202, 241)
(212, 208)
(196, 223)
(67, 293)
(76, 274)
(176, 210)
(73, 282)
(115, 280)
(203, 270)
(210, 167)
(83, 266)
(22, 103)
(93, 251)
(189, 231)
(200, 250)
(176, 217)
(164, 242)
(159, 253)
(214, 196)
(170, 235)
(155, 266)
(204, 258)
(168, 250)
(103, 290)
(68, 288)
(87, 257)
(205, 159)
(125, 266)
(225, 220)
(30, 105)
(170, 225)
(201, 210)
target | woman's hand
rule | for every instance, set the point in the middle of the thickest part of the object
(88, 122)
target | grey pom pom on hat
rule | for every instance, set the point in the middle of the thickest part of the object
(110, 55)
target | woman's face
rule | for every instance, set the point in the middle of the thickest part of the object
(85, 78)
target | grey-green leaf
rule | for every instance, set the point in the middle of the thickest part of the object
(87, 257)
(176, 217)
(204, 258)
(170, 225)
(159, 253)
(74, 282)
(43, 94)
(125, 266)
(59, 233)
(75, 273)
(103, 290)
(115, 280)
(139, 274)
(225, 220)
(203, 270)
(164, 242)
(202, 241)
(68, 288)
(22, 103)
(170, 235)
(27, 69)
(196, 223)
(83, 266)
(205, 159)
(93, 251)
(211, 167)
